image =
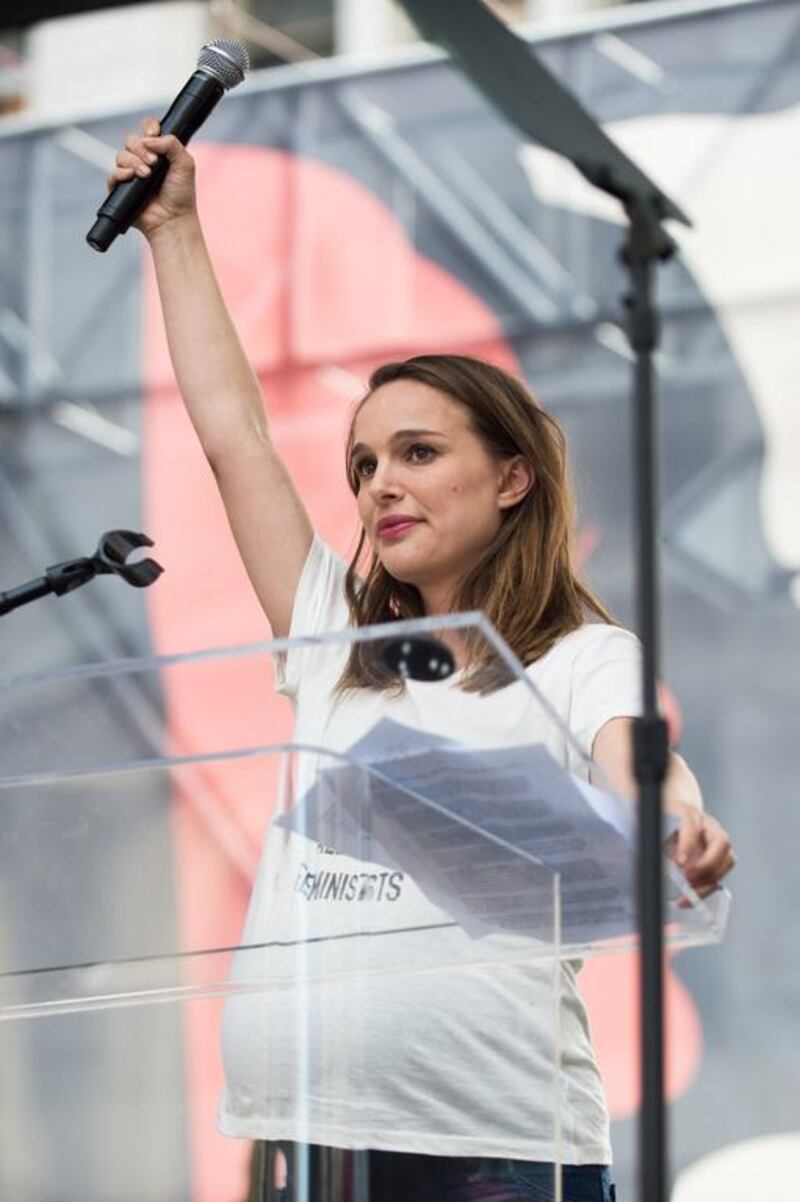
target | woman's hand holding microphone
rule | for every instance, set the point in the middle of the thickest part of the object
(175, 200)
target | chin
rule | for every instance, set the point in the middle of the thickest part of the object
(400, 568)
(399, 573)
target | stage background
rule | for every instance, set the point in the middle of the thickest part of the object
(356, 215)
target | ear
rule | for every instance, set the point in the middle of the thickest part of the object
(516, 481)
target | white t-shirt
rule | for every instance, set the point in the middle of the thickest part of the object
(454, 1062)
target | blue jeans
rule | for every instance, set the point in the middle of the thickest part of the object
(405, 1177)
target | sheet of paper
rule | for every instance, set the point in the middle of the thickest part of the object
(483, 833)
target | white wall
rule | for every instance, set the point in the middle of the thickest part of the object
(361, 26)
(119, 57)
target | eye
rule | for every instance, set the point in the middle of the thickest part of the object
(420, 452)
(363, 467)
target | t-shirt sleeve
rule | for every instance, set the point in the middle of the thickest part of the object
(320, 604)
(606, 681)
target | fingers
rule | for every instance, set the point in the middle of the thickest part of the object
(141, 152)
(128, 165)
(714, 859)
(137, 154)
(689, 836)
(708, 853)
(135, 159)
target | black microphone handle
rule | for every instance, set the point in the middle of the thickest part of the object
(126, 200)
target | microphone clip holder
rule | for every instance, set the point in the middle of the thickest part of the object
(110, 558)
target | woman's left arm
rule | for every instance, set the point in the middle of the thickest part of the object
(701, 846)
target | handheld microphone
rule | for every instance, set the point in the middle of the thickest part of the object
(222, 65)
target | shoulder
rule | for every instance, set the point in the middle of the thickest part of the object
(320, 605)
(320, 595)
(592, 642)
(604, 674)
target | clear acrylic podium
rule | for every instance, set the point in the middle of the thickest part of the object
(353, 923)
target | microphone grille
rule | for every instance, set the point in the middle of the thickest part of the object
(227, 61)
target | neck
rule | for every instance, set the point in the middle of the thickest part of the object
(437, 599)
(441, 599)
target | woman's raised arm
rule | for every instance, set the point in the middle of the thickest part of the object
(219, 387)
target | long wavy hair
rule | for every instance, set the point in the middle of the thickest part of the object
(525, 581)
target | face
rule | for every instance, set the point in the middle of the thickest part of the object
(430, 496)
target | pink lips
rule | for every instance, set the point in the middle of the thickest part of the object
(394, 527)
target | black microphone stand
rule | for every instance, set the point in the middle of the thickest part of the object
(109, 559)
(521, 87)
(646, 245)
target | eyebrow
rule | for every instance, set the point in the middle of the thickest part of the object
(396, 437)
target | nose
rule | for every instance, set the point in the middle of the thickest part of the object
(384, 483)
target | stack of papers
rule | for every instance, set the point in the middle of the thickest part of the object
(503, 840)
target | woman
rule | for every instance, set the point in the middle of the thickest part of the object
(460, 482)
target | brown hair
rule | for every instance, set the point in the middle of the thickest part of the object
(531, 556)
